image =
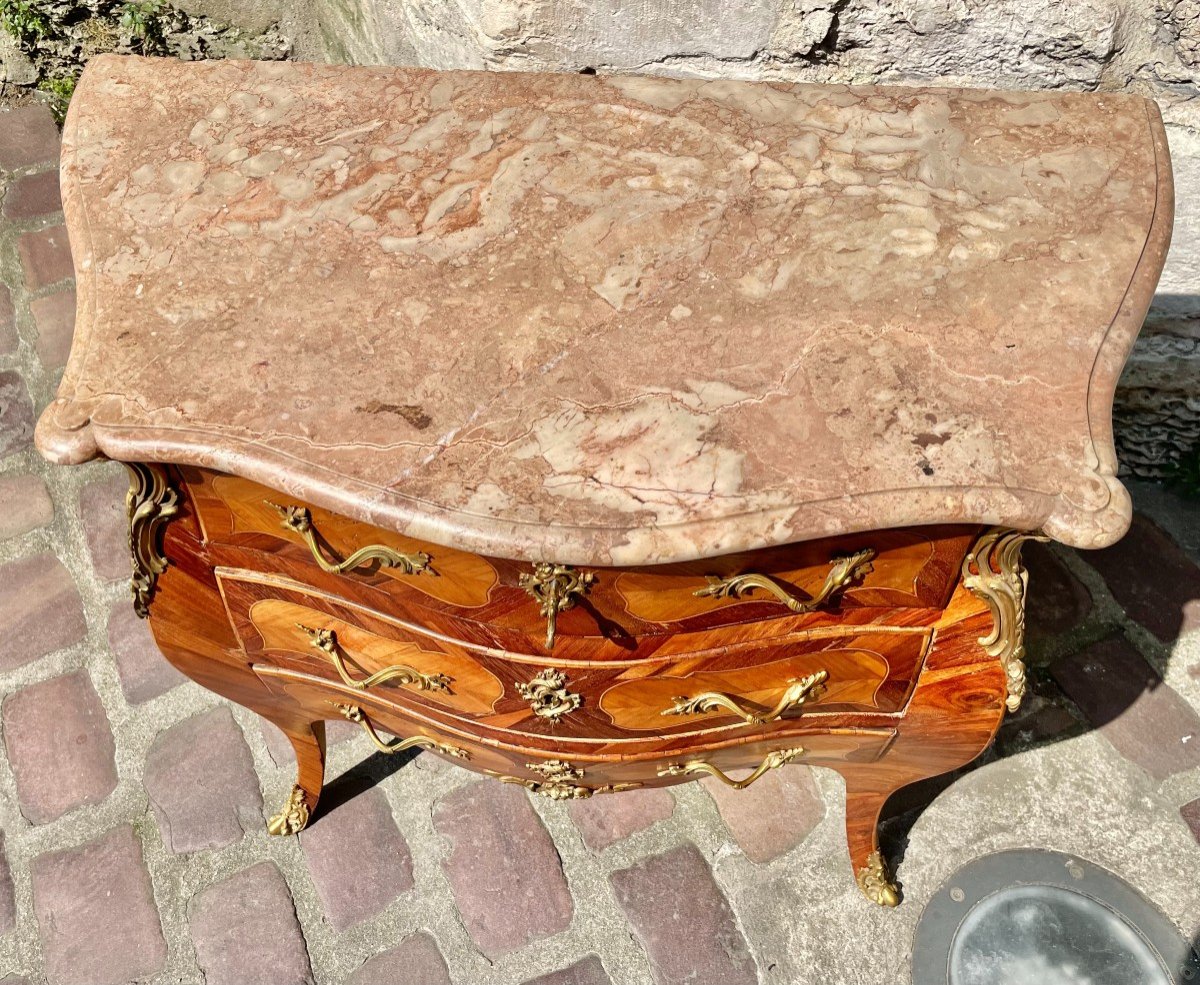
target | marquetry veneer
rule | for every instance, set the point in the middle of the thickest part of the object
(604, 433)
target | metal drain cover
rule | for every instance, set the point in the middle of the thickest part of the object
(1043, 918)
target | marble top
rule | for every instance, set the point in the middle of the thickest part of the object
(610, 320)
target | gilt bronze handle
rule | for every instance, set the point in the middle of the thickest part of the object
(326, 641)
(773, 760)
(555, 587)
(798, 691)
(844, 571)
(354, 713)
(298, 520)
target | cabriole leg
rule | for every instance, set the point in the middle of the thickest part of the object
(308, 740)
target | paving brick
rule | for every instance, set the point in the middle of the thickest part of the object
(1037, 720)
(589, 971)
(683, 921)
(8, 323)
(503, 869)
(1124, 697)
(603, 821)
(280, 749)
(54, 316)
(1057, 601)
(8, 901)
(96, 914)
(45, 257)
(200, 779)
(772, 817)
(40, 610)
(1152, 578)
(358, 835)
(59, 745)
(143, 670)
(24, 505)
(28, 136)
(416, 960)
(102, 506)
(1191, 817)
(245, 931)
(16, 414)
(33, 195)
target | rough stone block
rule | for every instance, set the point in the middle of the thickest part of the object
(54, 316)
(683, 920)
(45, 257)
(8, 901)
(141, 667)
(1056, 601)
(33, 195)
(40, 610)
(60, 746)
(201, 782)
(24, 505)
(16, 414)
(1155, 581)
(245, 931)
(358, 835)
(503, 869)
(589, 971)
(772, 817)
(1133, 707)
(8, 323)
(603, 821)
(102, 506)
(96, 914)
(28, 137)
(416, 960)
(1190, 813)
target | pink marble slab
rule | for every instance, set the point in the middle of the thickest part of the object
(610, 320)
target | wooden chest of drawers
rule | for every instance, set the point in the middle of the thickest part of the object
(604, 433)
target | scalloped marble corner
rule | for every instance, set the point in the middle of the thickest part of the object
(611, 320)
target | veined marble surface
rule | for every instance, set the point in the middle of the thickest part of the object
(610, 320)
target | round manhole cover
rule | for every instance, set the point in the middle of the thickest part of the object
(1025, 917)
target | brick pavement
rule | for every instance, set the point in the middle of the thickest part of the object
(132, 802)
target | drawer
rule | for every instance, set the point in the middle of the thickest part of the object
(564, 775)
(878, 577)
(717, 685)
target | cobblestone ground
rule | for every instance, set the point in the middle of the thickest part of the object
(132, 802)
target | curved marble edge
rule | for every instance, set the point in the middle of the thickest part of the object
(66, 434)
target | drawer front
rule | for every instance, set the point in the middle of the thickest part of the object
(562, 775)
(898, 576)
(736, 686)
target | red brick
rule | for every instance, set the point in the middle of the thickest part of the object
(96, 914)
(416, 960)
(1133, 707)
(28, 136)
(54, 316)
(102, 507)
(589, 971)
(60, 746)
(1152, 578)
(1056, 601)
(603, 821)
(245, 931)
(33, 195)
(8, 900)
(143, 670)
(45, 257)
(683, 921)
(772, 817)
(24, 505)
(16, 414)
(201, 782)
(1191, 817)
(504, 870)
(358, 835)
(8, 323)
(40, 610)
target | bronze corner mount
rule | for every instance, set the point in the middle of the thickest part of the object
(149, 504)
